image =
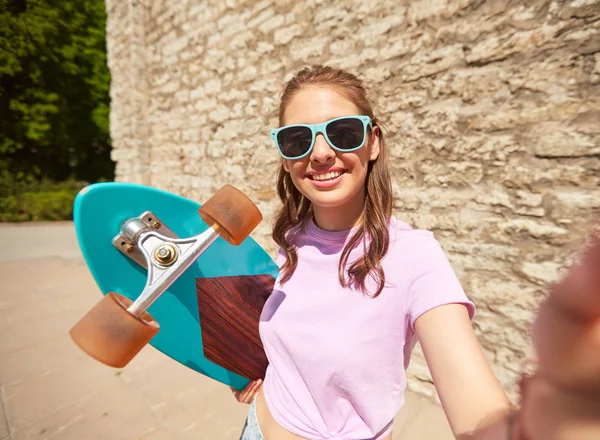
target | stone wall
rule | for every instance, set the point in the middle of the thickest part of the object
(492, 111)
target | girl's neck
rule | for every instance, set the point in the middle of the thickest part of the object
(338, 218)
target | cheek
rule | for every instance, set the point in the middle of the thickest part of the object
(296, 168)
(295, 172)
(358, 162)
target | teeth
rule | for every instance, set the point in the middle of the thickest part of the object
(327, 176)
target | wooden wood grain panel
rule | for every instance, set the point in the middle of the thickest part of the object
(230, 310)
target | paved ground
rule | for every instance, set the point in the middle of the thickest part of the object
(50, 390)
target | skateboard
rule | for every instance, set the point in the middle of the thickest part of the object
(183, 277)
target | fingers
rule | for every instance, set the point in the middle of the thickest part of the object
(247, 394)
(566, 332)
(568, 349)
(549, 413)
(579, 292)
(562, 399)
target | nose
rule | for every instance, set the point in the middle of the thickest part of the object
(322, 151)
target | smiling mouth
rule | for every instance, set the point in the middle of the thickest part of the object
(326, 176)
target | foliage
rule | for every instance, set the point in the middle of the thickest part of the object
(54, 96)
(37, 200)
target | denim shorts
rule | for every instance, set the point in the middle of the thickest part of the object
(251, 429)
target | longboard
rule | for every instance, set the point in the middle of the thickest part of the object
(208, 316)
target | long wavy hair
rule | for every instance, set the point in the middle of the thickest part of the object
(296, 209)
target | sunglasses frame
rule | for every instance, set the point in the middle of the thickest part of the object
(322, 128)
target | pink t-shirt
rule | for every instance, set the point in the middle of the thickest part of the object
(337, 357)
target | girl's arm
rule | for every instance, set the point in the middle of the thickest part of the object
(471, 396)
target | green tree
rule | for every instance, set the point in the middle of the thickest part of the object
(54, 90)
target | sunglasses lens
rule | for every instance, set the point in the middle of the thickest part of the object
(346, 134)
(294, 141)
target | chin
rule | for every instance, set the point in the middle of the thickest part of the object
(329, 198)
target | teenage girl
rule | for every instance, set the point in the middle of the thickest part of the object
(358, 287)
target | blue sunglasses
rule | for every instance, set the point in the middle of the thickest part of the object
(345, 134)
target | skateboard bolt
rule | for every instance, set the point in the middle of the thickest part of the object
(155, 224)
(165, 254)
(129, 247)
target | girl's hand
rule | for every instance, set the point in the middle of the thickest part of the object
(562, 399)
(247, 394)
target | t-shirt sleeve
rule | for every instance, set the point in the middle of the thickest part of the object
(433, 281)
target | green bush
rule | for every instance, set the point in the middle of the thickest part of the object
(30, 200)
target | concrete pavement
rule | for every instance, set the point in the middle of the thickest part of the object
(49, 389)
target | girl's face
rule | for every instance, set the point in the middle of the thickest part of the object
(333, 181)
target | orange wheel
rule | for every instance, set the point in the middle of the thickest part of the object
(234, 213)
(112, 335)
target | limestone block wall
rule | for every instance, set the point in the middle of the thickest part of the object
(492, 111)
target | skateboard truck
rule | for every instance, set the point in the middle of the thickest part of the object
(117, 328)
(161, 252)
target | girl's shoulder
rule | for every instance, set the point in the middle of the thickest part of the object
(406, 240)
(400, 229)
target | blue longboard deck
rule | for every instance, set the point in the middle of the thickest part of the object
(99, 211)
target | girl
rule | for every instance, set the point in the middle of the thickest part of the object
(358, 287)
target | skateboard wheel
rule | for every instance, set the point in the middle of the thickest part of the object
(233, 212)
(112, 335)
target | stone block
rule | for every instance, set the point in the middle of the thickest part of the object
(542, 273)
(271, 24)
(302, 50)
(286, 34)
